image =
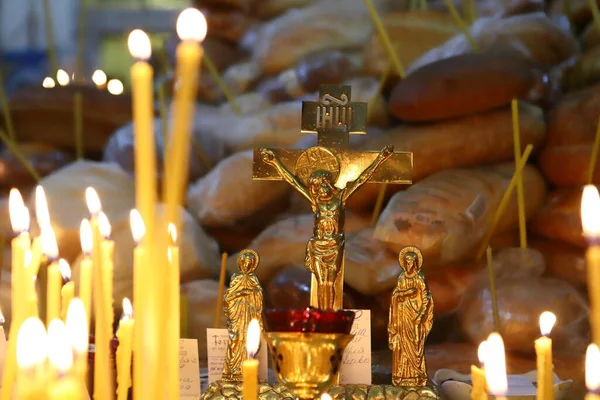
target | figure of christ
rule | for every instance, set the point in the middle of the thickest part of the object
(325, 250)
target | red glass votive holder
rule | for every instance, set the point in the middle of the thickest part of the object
(309, 320)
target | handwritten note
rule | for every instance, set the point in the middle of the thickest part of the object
(356, 362)
(189, 369)
(216, 344)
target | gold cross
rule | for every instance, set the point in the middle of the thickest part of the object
(334, 117)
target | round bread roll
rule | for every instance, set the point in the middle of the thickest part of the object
(567, 166)
(563, 261)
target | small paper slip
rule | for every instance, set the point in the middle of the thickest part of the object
(356, 362)
(216, 345)
(189, 369)
(518, 385)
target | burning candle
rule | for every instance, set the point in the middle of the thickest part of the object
(191, 28)
(172, 343)
(592, 372)
(67, 292)
(143, 125)
(42, 214)
(495, 366)
(62, 77)
(250, 366)
(63, 386)
(107, 249)
(32, 350)
(54, 280)
(115, 87)
(99, 78)
(138, 231)
(590, 219)
(479, 391)
(48, 83)
(125, 335)
(543, 350)
(78, 333)
(85, 268)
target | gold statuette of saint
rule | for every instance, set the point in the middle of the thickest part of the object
(243, 302)
(317, 171)
(411, 318)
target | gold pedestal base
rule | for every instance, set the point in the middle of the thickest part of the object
(220, 390)
(383, 392)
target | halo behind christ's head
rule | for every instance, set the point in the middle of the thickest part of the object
(317, 159)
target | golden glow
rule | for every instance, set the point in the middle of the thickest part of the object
(41, 208)
(60, 353)
(2, 320)
(49, 245)
(19, 215)
(65, 269)
(48, 83)
(253, 338)
(138, 229)
(93, 201)
(104, 225)
(547, 321)
(86, 236)
(495, 365)
(481, 352)
(77, 328)
(139, 45)
(127, 309)
(191, 25)
(590, 211)
(592, 367)
(115, 87)
(326, 396)
(28, 258)
(62, 77)
(172, 233)
(32, 343)
(99, 77)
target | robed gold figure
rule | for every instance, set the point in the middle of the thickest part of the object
(319, 169)
(243, 303)
(411, 319)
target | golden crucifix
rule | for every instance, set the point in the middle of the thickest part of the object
(327, 175)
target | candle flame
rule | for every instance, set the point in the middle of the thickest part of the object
(48, 83)
(172, 233)
(592, 367)
(59, 348)
(104, 225)
(481, 351)
(32, 342)
(326, 396)
(2, 320)
(99, 77)
(191, 25)
(590, 211)
(49, 245)
(65, 269)
(62, 77)
(253, 338)
(138, 229)
(127, 309)
(41, 208)
(19, 215)
(115, 87)
(547, 321)
(86, 236)
(77, 328)
(495, 365)
(139, 45)
(93, 201)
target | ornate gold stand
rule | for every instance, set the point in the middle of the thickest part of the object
(220, 390)
(383, 392)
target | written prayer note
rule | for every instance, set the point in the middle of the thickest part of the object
(216, 345)
(356, 363)
(189, 369)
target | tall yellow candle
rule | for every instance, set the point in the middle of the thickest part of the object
(479, 391)
(590, 219)
(495, 366)
(543, 351)
(191, 28)
(85, 268)
(107, 249)
(250, 366)
(67, 292)
(54, 282)
(63, 385)
(143, 127)
(173, 315)
(592, 372)
(139, 262)
(125, 336)
(78, 333)
(102, 372)
(32, 350)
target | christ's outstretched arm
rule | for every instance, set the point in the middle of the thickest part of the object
(368, 172)
(271, 158)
